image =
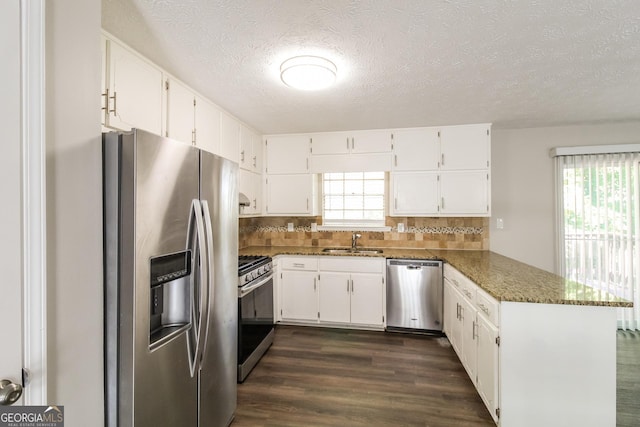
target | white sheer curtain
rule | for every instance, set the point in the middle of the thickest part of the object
(599, 225)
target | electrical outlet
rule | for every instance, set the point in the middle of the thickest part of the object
(314, 227)
(290, 226)
(401, 227)
(499, 223)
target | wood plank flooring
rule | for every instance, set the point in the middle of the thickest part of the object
(628, 379)
(331, 377)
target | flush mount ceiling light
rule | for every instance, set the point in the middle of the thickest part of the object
(308, 72)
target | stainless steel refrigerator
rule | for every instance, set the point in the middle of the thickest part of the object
(171, 257)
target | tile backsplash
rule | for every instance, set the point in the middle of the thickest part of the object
(428, 233)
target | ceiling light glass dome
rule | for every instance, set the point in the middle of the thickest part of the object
(308, 72)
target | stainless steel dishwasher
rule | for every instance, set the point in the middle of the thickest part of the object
(414, 295)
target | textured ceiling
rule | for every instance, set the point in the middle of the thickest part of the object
(400, 63)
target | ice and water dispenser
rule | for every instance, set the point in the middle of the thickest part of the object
(170, 296)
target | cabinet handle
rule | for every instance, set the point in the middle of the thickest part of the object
(347, 143)
(458, 311)
(353, 143)
(474, 334)
(254, 161)
(307, 204)
(298, 265)
(395, 160)
(395, 202)
(484, 308)
(351, 285)
(314, 284)
(442, 159)
(115, 103)
(193, 137)
(442, 202)
(242, 156)
(255, 204)
(106, 99)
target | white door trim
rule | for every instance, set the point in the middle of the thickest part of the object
(32, 34)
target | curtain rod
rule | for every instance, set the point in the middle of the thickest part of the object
(594, 149)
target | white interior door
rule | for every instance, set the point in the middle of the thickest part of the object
(10, 194)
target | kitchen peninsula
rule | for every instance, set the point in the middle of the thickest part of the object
(555, 360)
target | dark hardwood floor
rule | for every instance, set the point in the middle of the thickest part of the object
(628, 379)
(331, 377)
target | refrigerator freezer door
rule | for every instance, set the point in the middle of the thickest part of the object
(218, 376)
(150, 183)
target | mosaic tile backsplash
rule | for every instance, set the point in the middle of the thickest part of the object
(427, 233)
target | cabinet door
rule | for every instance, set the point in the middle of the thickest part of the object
(289, 194)
(246, 148)
(464, 193)
(180, 112)
(469, 354)
(371, 141)
(207, 130)
(367, 291)
(257, 152)
(416, 149)
(456, 320)
(488, 364)
(299, 297)
(334, 297)
(414, 193)
(229, 137)
(464, 147)
(135, 92)
(331, 143)
(287, 154)
(249, 184)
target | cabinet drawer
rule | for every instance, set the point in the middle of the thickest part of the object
(461, 282)
(299, 263)
(488, 306)
(352, 264)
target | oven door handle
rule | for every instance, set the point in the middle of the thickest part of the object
(247, 289)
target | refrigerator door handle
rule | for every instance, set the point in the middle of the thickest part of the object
(208, 229)
(199, 297)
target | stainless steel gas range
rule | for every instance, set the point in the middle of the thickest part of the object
(255, 311)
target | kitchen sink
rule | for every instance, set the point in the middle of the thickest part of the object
(363, 251)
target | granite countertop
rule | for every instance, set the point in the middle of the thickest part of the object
(503, 278)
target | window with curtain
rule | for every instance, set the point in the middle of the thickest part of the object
(353, 198)
(599, 225)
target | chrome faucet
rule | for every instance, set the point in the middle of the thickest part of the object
(354, 240)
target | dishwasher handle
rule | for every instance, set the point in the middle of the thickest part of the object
(414, 267)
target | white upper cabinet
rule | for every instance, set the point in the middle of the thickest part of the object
(464, 193)
(414, 193)
(291, 194)
(132, 97)
(250, 184)
(371, 141)
(330, 143)
(250, 150)
(358, 142)
(287, 154)
(416, 149)
(181, 112)
(229, 137)
(465, 147)
(207, 125)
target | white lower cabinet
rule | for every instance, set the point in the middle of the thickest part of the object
(331, 290)
(472, 326)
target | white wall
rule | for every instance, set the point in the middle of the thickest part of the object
(74, 210)
(523, 188)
